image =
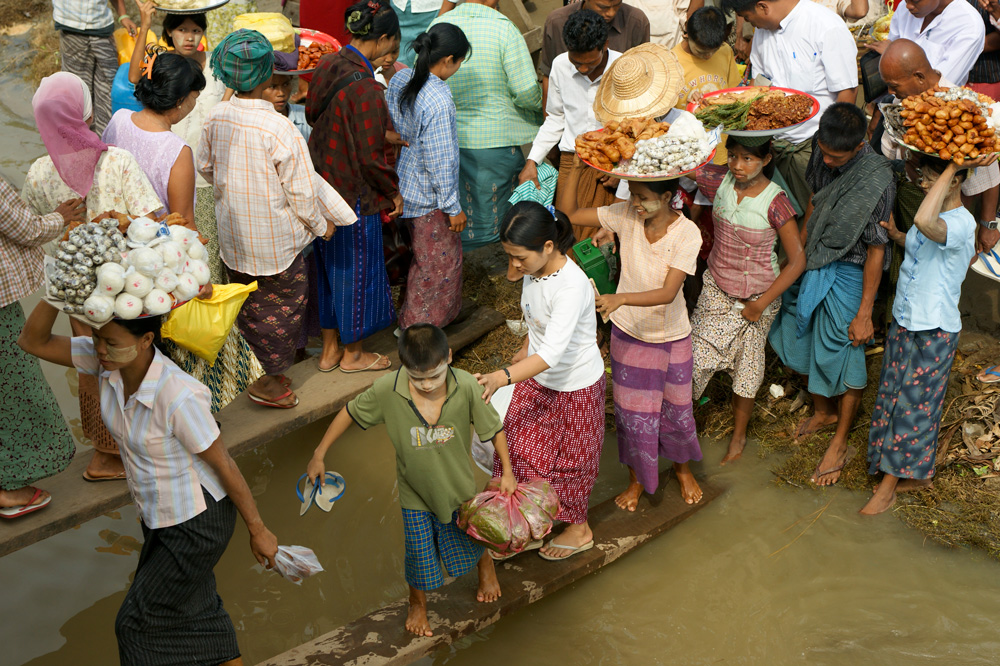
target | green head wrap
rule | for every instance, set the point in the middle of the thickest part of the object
(243, 60)
(752, 141)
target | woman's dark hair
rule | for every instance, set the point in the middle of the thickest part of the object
(174, 77)
(370, 19)
(842, 127)
(761, 150)
(440, 41)
(173, 21)
(530, 225)
(143, 325)
(585, 31)
(707, 27)
(730, 6)
(423, 347)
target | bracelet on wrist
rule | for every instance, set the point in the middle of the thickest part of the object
(507, 372)
(123, 17)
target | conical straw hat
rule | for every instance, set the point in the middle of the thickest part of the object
(644, 81)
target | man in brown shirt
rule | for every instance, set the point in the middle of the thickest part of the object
(629, 27)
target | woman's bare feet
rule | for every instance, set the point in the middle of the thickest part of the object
(910, 485)
(735, 452)
(489, 586)
(10, 499)
(575, 535)
(104, 466)
(690, 490)
(416, 617)
(629, 500)
(270, 388)
(883, 498)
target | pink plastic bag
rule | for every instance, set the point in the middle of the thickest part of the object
(506, 523)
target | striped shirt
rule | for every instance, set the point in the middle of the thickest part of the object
(83, 14)
(428, 167)
(496, 92)
(161, 429)
(269, 201)
(22, 234)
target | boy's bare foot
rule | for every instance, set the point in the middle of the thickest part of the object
(735, 452)
(489, 586)
(690, 490)
(10, 499)
(416, 617)
(575, 535)
(629, 499)
(811, 425)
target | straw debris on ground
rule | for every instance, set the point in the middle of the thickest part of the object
(962, 508)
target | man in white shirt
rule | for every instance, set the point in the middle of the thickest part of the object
(801, 45)
(573, 83)
(906, 71)
(950, 32)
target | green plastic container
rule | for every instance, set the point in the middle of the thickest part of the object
(594, 262)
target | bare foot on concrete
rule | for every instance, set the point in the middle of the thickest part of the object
(690, 490)
(489, 586)
(629, 499)
(416, 617)
(735, 452)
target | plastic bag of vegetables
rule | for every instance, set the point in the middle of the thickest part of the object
(507, 523)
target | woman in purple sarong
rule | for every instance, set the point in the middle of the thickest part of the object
(651, 361)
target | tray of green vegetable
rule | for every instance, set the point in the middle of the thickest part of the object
(734, 115)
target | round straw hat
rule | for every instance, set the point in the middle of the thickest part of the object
(644, 82)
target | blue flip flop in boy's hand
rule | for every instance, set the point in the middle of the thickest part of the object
(321, 495)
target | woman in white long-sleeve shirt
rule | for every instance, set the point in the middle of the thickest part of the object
(555, 422)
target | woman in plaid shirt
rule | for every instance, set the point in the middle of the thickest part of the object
(423, 112)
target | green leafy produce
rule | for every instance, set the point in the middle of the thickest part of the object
(732, 116)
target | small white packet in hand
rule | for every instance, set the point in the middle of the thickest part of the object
(296, 563)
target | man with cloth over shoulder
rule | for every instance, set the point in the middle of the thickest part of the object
(804, 46)
(826, 316)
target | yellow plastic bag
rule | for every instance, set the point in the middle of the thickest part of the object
(125, 44)
(276, 27)
(201, 326)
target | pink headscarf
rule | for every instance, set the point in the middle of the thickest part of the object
(62, 107)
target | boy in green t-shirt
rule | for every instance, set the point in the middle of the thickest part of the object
(429, 409)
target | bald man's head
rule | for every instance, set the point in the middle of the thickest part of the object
(905, 69)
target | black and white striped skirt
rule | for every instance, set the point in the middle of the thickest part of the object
(172, 614)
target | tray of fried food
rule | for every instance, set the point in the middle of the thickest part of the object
(954, 129)
(607, 147)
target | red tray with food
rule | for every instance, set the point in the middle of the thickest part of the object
(772, 110)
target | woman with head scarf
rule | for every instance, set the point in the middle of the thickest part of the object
(108, 178)
(270, 204)
(348, 112)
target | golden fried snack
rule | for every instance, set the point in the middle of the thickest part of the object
(954, 129)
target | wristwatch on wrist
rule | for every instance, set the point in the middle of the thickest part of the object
(989, 224)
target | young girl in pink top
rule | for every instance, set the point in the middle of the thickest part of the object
(651, 361)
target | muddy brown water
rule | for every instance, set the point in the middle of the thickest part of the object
(712, 590)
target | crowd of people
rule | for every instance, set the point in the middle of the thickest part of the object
(779, 242)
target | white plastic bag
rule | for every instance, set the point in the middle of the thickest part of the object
(296, 563)
(482, 452)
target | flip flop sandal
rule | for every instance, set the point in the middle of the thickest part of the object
(322, 369)
(18, 511)
(574, 549)
(263, 402)
(120, 476)
(320, 495)
(532, 545)
(798, 427)
(370, 366)
(284, 381)
(994, 375)
(848, 455)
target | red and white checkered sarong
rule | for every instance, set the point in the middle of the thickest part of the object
(558, 436)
